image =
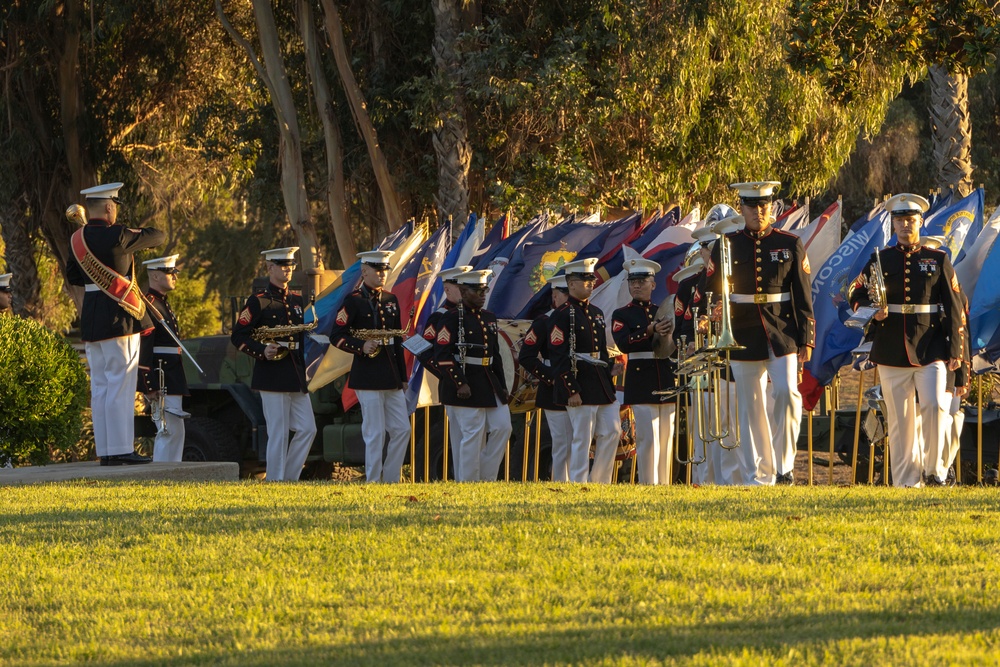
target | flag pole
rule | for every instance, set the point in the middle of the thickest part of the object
(525, 448)
(444, 449)
(427, 443)
(831, 411)
(857, 427)
(979, 434)
(538, 439)
(413, 448)
(809, 443)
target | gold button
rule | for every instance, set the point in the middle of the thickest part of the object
(760, 289)
(906, 289)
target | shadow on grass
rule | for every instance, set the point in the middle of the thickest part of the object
(810, 634)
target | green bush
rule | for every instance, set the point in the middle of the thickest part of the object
(43, 393)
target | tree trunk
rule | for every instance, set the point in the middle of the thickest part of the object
(390, 198)
(335, 193)
(952, 133)
(451, 137)
(293, 184)
(19, 253)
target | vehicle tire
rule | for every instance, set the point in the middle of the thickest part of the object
(207, 439)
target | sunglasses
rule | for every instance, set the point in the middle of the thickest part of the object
(169, 272)
(754, 202)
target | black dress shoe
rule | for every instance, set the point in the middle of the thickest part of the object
(785, 479)
(125, 460)
(950, 479)
(932, 480)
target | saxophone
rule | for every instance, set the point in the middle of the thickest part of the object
(268, 335)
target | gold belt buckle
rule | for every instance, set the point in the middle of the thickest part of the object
(486, 361)
(759, 298)
(595, 355)
(907, 309)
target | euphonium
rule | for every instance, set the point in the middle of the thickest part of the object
(268, 335)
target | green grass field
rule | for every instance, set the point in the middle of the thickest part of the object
(497, 574)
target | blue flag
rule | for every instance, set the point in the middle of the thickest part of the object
(984, 304)
(536, 262)
(830, 292)
(939, 200)
(959, 223)
(497, 235)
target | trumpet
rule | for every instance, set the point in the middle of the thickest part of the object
(269, 335)
(158, 408)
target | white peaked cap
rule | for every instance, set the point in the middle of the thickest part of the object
(691, 269)
(580, 267)
(731, 224)
(704, 234)
(906, 204)
(934, 242)
(106, 191)
(640, 267)
(475, 278)
(756, 189)
(378, 259)
(280, 255)
(558, 282)
(161, 262)
(449, 275)
(5, 281)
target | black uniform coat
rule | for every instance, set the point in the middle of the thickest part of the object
(532, 356)
(592, 382)
(960, 377)
(767, 262)
(365, 308)
(915, 275)
(426, 358)
(149, 361)
(482, 338)
(101, 317)
(273, 307)
(686, 300)
(629, 328)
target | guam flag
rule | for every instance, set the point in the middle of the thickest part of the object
(830, 291)
(959, 223)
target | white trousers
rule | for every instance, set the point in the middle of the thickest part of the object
(284, 412)
(654, 441)
(479, 438)
(384, 411)
(169, 446)
(589, 422)
(953, 434)
(114, 369)
(901, 387)
(769, 448)
(561, 431)
(724, 465)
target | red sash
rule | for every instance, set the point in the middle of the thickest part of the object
(122, 289)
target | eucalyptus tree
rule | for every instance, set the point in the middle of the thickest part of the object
(602, 103)
(850, 44)
(113, 90)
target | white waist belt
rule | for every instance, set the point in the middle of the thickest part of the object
(291, 345)
(641, 355)
(475, 361)
(913, 308)
(91, 287)
(161, 349)
(760, 298)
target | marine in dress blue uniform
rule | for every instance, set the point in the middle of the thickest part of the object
(772, 317)
(378, 372)
(916, 339)
(580, 361)
(534, 358)
(110, 334)
(157, 349)
(279, 377)
(452, 297)
(472, 388)
(632, 328)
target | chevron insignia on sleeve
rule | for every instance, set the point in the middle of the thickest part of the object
(557, 337)
(678, 307)
(430, 332)
(616, 325)
(530, 339)
(245, 317)
(444, 336)
(954, 284)
(805, 265)
(342, 316)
